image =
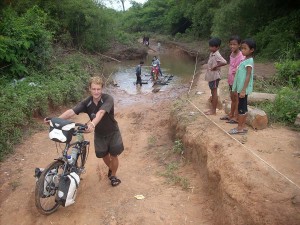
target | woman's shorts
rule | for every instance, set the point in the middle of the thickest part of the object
(213, 84)
(111, 144)
(242, 106)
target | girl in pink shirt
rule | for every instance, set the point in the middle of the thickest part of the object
(236, 57)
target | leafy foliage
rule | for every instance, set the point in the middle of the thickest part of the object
(279, 39)
(77, 23)
(273, 24)
(150, 17)
(285, 107)
(202, 15)
(84, 22)
(288, 73)
(25, 42)
(285, 84)
(23, 99)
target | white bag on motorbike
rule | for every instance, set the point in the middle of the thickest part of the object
(67, 189)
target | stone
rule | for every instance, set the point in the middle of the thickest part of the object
(257, 118)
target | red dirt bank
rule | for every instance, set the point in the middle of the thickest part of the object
(245, 189)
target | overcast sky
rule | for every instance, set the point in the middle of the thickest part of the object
(118, 6)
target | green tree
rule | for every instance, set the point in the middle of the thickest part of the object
(279, 39)
(24, 41)
(246, 18)
(202, 14)
(75, 23)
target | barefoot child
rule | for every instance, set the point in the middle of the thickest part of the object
(236, 57)
(243, 84)
(213, 74)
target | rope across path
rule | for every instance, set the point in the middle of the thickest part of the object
(244, 147)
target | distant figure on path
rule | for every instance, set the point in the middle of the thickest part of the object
(146, 40)
(158, 46)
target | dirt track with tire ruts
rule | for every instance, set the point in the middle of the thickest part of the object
(224, 182)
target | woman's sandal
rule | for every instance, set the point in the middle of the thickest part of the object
(114, 181)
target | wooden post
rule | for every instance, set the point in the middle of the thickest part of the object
(256, 97)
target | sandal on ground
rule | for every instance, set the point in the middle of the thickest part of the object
(109, 173)
(114, 181)
(236, 131)
(225, 118)
(232, 121)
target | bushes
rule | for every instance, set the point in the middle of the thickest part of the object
(24, 41)
(286, 83)
(288, 73)
(287, 103)
(21, 100)
(286, 106)
(82, 24)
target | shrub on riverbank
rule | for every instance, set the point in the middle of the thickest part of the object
(285, 108)
(286, 84)
(21, 100)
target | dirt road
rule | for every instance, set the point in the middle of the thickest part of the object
(148, 148)
(216, 180)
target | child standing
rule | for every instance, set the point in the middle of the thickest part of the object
(243, 84)
(236, 57)
(213, 73)
(138, 73)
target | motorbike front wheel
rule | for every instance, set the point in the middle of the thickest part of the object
(47, 186)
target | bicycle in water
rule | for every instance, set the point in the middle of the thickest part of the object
(57, 184)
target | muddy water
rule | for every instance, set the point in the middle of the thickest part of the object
(180, 66)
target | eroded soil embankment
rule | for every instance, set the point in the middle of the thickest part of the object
(244, 188)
